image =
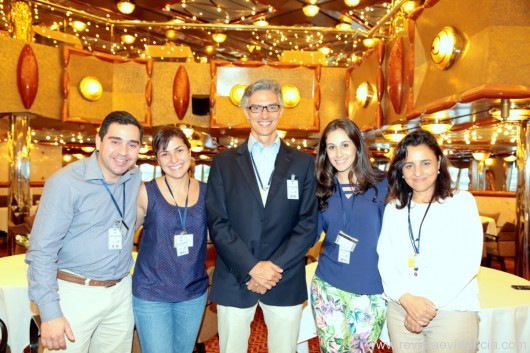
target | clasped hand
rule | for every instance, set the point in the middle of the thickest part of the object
(420, 312)
(264, 276)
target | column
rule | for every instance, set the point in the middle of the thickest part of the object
(522, 207)
(18, 145)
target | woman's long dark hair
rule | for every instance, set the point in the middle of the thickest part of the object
(398, 188)
(367, 176)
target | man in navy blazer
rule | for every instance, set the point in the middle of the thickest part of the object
(262, 217)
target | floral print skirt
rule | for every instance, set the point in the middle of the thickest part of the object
(346, 322)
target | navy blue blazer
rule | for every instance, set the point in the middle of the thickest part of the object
(245, 232)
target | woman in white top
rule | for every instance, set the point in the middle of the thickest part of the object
(430, 249)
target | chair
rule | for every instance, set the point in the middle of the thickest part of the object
(503, 245)
(3, 337)
(137, 238)
(313, 254)
(209, 320)
(12, 231)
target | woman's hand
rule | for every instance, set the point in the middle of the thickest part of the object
(411, 325)
(421, 310)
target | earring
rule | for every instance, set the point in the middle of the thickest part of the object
(403, 176)
(438, 171)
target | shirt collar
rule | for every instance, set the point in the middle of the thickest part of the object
(252, 141)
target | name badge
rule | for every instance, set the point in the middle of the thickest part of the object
(346, 242)
(344, 256)
(181, 244)
(292, 188)
(115, 239)
(189, 239)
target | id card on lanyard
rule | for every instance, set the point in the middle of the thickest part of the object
(183, 241)
(118, 231)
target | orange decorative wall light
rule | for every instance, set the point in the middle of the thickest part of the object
(27, 76)
(181, 92)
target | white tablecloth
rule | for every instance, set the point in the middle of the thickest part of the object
(504, 314)
(15, 307)
(492, 225)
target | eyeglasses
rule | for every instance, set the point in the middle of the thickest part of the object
(271, 108)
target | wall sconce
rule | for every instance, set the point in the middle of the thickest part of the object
(236, 94)
(364, 94)
(352, 3)
(480, 156)
(310, 10)
(126, 6)
(394, 133)
(91, 88)
(437, 123)
(128, 38)
(445, 47)
(291, 96)
(219, 37)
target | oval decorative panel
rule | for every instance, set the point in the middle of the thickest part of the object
(181, 92)
(395, 74)
(27, 76)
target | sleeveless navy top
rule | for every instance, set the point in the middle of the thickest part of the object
(159, 274)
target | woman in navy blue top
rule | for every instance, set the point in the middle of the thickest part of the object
(170, 281)
(346, 292)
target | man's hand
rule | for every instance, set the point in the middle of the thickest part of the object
(420, 309)
(411, 325)
(52, 333)
(253, 286)
(266, 274)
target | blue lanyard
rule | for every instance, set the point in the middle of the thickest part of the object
(113, 199)
(182, 220)
(411, 234)
(344, 213)
(257, 173)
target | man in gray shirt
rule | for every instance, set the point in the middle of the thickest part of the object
(81, 244)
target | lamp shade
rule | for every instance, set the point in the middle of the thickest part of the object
(236, 93)
(364, 94)
(126, 6)
(311, 10)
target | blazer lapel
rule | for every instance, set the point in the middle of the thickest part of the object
(279, 176)
(245, 164)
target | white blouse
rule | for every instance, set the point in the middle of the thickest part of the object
(449, 255)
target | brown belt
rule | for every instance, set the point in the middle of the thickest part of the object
(69, 277)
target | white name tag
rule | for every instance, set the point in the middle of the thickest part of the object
(344, 256)
(115, 239)
(292, 189)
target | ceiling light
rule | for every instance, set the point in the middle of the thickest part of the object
(364, 94)
(369, 42)
(126, 6)
(394, 133)
(324, 50)
(510, 158)
(219, 37)
(445, 47)
(91, 88)
(209, 49)
(128, 38)
(437, 123)
(261, 22)
(343, 26)
(480, 156)
(188, 131)
(311, 10)
(88, 149)
(171, 34)
(409, 6)
(78, 25)
(510, 111)
(352, 3)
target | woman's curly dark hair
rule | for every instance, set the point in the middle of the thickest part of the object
(398, 188)
(367, 176)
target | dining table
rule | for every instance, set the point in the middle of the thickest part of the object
(504, 314)
(492, 225)
(16, 310)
